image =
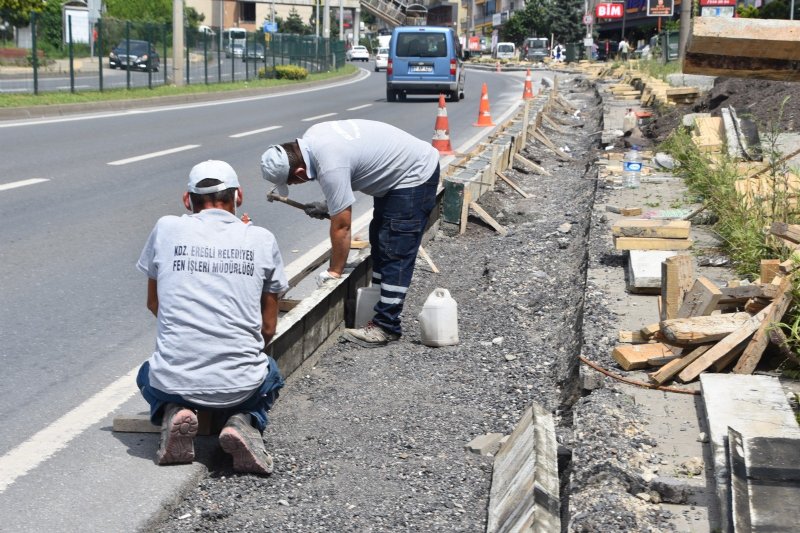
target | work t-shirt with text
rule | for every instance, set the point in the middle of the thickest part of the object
(210, 269)
(364, 155)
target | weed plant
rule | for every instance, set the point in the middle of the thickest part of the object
(743, 223)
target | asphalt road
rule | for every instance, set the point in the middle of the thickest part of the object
(78, 197)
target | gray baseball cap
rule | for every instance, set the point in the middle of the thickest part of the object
(275, 168)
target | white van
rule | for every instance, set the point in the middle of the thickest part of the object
(505, 51)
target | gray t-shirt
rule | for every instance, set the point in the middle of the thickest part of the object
(211, 270)
(364, 155)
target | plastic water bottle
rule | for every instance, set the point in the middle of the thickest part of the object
(631, 168)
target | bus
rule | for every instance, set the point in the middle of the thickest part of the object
(232, 37)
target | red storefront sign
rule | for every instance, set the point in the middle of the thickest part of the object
(717, 2)
(608, 10)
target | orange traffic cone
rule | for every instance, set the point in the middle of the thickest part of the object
(527, 92)
(441, 130)
(484, 118)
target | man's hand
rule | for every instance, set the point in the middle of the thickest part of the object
(317, 210)
(326, 276)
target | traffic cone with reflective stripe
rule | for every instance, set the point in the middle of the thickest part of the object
(527, 92)
(484, 117)
(441, 130)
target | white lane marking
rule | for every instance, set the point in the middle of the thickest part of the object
(253, 132)
(309, 119)
(359, 107)
(21, 183)
(116, 114)
(154, 154)
(43, 445)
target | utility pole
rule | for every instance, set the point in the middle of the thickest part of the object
(177, 43)
(686, 22)
(326, 20)
(341, 20)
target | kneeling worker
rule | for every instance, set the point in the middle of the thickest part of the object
(400, 171)
(214, 283)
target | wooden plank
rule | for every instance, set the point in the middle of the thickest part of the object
(643, 243)
(636, 356)
(428, 260)
(702, 329)
(542, 138)
(486, 217)
(664, 229)
(527, 162)
(701, 299)
(671, 369)
(512, 185)
(624, 211)
(631, 337)
(752, 354)
(740, 294)
(651, 329)
(677, 275)
(682, 91)
(462, 223)
(769, 269)
(743, 48)
(723, 347)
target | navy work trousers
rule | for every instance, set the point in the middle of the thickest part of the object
(256, 405)
(395, 233)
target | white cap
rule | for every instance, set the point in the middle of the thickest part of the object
(213, 169)
(275, 168)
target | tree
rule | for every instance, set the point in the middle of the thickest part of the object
(294, 24)
(532, 21)
(140, 10)
(18, 12)
(566, 21)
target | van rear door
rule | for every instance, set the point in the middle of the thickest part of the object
(422, 56)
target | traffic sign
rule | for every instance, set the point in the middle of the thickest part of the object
(588, 20)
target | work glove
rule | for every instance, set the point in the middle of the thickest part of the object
(324, 277)
(317, 210)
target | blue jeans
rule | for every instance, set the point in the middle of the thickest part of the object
(256, 405)
(395, 233)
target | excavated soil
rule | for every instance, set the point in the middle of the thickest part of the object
(770, 104)
(373, 440)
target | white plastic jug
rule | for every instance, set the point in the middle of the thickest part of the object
(439, 319)
(366, 298)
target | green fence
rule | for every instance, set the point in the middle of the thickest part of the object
(130, 55)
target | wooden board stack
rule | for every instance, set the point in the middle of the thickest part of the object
(647, 234)
(703, 327)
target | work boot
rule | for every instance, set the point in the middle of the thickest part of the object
(244, 443)
(370, 336)
(178, 430)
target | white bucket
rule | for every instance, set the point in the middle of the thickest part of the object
(366, 298)
(439, 319)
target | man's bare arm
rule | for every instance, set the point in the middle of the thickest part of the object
(340, 240)
(269, 316)
(152, 296)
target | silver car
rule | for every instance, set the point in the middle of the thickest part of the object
(381, 59)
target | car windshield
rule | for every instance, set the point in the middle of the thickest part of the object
(383, 51)
(136, 47)
(505, 48)
(421, 45)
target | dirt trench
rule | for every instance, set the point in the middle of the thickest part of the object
(373, 440)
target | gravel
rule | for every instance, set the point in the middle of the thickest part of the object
(374, 440)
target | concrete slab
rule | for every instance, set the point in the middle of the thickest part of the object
(765, 482)
(644, 270)
(484, 444)
(753, 404)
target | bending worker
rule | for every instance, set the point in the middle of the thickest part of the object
(400, 171)
(213, 284)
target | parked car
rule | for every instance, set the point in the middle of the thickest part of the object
(254, 52)
(425, 60)
(505, 51)
(357, 53)
(535, 49)
(381, 59)
(235, 50)
(140, 55)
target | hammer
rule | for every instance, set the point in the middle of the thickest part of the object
(271, 196)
